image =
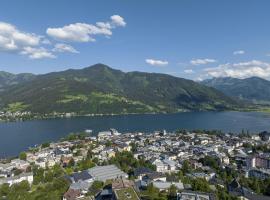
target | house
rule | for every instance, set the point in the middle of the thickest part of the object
(141, 172)
(104, 135)
(259, 161)
(165, 165)
(171, 165)
(80, 183)
(72, 194)
(80, 177)
(190, 195)
(259, 173)
(105, 194)
(236, 190)
(20, 164)
(6, 168)
(123, 147)
(164, 186)
(200, 175)
(265, 136)
(17, 179)
(156, 176)
(148, 175)
(123, 189)
(108, 172)
(160, 166)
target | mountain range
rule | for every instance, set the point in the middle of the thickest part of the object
(8, 79)
(101, 89)
(253, 89)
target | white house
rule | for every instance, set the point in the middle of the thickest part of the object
(17, 179)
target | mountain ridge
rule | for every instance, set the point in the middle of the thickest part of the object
(101, 89)
(8, 79)
(252, 89)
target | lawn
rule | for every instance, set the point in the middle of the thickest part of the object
(126, 194)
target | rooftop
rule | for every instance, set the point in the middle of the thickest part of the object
(103, 173)
(125, 194)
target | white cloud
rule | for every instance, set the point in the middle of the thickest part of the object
(241, 70)
(83, 32)
(118, 20)
(12, 39)
(202, 61)
(15, 41)
(188, 71)
(60, 47)
(45, 41)
(239, 52)
(37, 53)
(154, 62)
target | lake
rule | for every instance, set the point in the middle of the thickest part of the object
(18, 136)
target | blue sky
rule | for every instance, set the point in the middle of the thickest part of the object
(186, 38)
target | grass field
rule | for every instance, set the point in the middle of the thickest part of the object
(126, 194)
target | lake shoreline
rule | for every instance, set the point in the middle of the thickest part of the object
(18, 136)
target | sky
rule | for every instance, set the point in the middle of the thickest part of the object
(185, 38)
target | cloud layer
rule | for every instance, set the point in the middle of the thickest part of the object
(188, 71)
(82, 32)
(154, 62)
(241, 70)
(13, 40)
(37, 53)
(202, 61)
(60, 47)
(239, 52)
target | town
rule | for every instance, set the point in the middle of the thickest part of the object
(178, 165)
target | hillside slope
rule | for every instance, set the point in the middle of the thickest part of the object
(101, 89)
(254, 89)
(8, 79)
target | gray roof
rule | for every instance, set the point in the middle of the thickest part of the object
(81, 185)
(103, 173)
(166, 185)
(5, 180)
(84, 175)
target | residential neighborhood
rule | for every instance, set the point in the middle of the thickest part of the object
(178, 165)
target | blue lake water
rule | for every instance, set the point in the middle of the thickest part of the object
(18, 136)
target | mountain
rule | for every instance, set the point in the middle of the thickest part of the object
(254, 89)
(8, 79)
(101, 89)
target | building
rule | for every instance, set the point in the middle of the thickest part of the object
(17, 179)
(164, 186)
(259, 161)
(190, 195)
(108, 172)
(259, 173)
(123, 189)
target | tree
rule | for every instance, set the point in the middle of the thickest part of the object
(151, 192)
(200, 184)
(4, 189)
(17, 172)
(172, 191)
(186, 168)
(108, 143)
(23, 156)
(45, 145)
(210, 161)
(38, 175)
(85, 164)
(96, 187)
(89, 154)
(71, 163)
(19, 191)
